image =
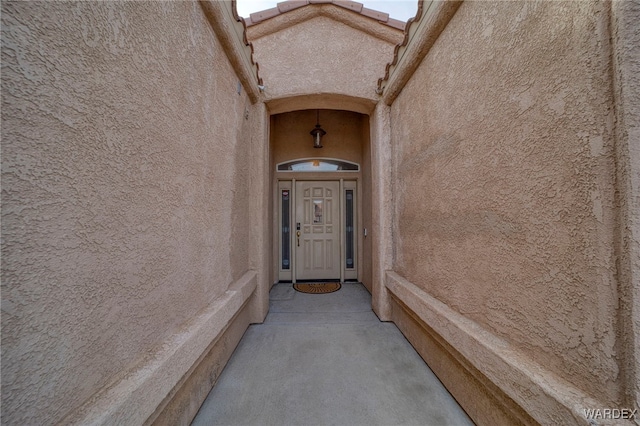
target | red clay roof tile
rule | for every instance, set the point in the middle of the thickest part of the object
(286, 6)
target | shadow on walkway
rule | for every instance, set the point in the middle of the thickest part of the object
(326, 359)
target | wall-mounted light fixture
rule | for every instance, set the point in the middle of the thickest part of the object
(318, 132)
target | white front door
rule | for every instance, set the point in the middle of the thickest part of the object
(317, 213)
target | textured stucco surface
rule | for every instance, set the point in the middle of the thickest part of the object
(504, 182)
(321, 55)
(132, 172)
(125, 208)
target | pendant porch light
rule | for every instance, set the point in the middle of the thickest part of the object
(318, 132)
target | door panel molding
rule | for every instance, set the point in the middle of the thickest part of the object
(317, 205)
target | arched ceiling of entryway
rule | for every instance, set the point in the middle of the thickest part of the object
(321, 101)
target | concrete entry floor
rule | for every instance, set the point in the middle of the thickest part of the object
(326, 359)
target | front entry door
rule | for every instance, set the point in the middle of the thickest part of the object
(318, 245)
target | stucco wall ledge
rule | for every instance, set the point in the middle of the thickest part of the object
(547, 398)
(135, 397)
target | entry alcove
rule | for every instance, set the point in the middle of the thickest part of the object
(343, 161)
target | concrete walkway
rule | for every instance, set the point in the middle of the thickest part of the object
(327, 360)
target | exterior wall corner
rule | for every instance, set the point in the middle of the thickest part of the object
(382, 208)
(625, 38)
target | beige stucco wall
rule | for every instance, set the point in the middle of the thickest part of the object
(320, 55)
(125, 197)
(292, 139)
(504, 177)
(134, 226)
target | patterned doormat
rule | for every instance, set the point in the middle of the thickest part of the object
(317, 288)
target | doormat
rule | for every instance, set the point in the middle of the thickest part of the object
(317, 288)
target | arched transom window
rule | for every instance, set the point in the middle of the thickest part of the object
(318, 165)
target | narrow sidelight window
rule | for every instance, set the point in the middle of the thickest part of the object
(286, 237)
(349, 229)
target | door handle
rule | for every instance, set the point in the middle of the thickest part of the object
(298, 235)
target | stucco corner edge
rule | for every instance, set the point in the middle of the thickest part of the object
(420, 34)
(230, 30)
